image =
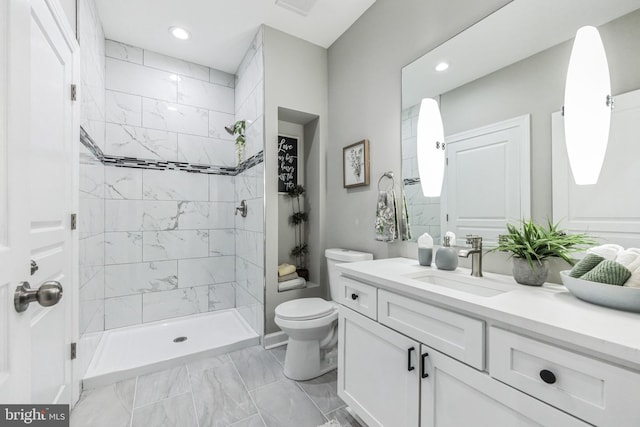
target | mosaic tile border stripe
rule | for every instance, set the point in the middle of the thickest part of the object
(132, 162)
(411, 181)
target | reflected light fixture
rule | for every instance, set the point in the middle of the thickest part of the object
(430, 148)
(442, 66)
(587, 106)
(180, 33)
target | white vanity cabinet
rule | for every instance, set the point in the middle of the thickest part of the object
(391, 380)
(377, 371)
(416, 364)
(455, 395)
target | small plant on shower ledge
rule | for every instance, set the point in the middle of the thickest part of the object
(297, 220)
(237, 130)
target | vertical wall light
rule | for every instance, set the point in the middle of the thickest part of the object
(430, 148)
(587, 106)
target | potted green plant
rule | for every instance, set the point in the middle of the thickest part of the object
(297, 220)
(237, 130)
(531, 244)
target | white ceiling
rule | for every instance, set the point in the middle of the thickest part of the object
(221, 30)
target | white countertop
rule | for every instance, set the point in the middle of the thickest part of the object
(550, 310)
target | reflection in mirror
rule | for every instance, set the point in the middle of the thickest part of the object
(512, 64)
(430, 148)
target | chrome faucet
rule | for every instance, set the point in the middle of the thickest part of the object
(475, 252)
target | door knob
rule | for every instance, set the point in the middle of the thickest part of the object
(48, 294)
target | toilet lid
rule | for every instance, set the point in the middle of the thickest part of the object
(304, 309)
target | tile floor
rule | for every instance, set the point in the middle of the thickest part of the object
(245, 388)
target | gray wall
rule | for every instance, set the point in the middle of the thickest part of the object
(365, 102)
(296, 80)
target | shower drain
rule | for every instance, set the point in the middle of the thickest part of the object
(180, 339)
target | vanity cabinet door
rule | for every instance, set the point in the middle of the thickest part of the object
(378, 372)
(455, 395)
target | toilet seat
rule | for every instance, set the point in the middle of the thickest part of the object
(305, 309)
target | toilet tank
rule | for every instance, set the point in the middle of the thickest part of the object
(338, 256)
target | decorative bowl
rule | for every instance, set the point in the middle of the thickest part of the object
(618, 297)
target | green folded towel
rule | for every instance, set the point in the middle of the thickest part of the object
(609, 272)
(585, 265)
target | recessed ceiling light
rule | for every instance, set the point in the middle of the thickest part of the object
(442, 66)
(180, 33)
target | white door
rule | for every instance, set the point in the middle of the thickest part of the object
(39, 152)
(609, 209)
(377, 371)
(487, 180)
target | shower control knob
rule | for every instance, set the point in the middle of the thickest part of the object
(48, 294)
(354, 296)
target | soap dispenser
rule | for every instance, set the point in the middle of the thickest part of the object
(425, 249)
(446, 256)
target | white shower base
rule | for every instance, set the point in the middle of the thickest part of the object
(135, 350)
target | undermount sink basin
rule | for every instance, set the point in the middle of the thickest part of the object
(480, 286)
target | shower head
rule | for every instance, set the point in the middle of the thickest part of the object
(229, 129)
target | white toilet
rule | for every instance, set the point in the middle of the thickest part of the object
(312, 323)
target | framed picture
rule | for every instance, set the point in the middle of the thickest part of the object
(355, 164)
(287, 163)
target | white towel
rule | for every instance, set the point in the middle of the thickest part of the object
(292, 284)
(630, 258)
(609, 251)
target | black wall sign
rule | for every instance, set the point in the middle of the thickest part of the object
(287, 163)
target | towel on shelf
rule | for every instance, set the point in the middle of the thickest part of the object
(585, 265)
(284, 269)
(609, 251)
(609, 272)
(386, 217)
(292, 284)
(291, 276)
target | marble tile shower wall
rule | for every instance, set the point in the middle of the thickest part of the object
(163, 108)
(424, 212)
(169, 245)
(92, 71)
(169, 235)
(249, 186)
(91, 184)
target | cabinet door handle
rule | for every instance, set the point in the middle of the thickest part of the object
(547, 376)
(409, 367)
(354, 296)
(424, 374)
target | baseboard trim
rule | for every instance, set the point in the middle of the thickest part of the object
(275, 339)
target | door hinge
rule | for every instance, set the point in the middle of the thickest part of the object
(447, 217)
(74, 92)
(73, 351)
(447, 161)
(74, 221)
